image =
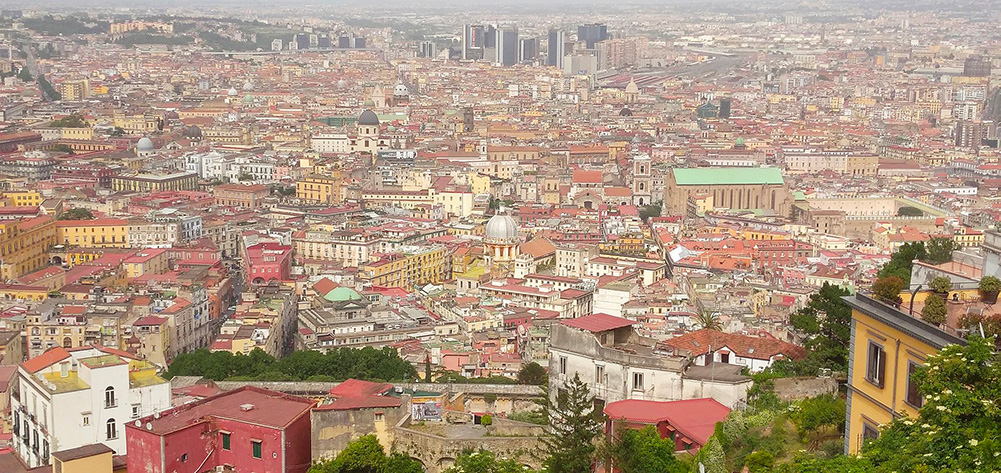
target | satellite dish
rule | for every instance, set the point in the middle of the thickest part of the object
(149, 426)
(156, 415)
(138, 423)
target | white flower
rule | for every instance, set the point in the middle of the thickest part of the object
(974, 442)
(947, 391)
(941, 408)
(938, 397)
(925, 426)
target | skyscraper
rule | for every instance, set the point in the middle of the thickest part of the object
(724, 107)
(427, 49)
(507, 45)
(592, 33)
(302, 41)
(977, 66)
(472, 42)
(557, 49)
(528, 49)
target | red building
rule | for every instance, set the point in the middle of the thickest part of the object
(267, 262)
(688, 423)
(250, 430)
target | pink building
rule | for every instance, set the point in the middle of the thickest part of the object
(247, 429)
(267, 262)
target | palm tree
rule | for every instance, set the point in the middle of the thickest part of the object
(709, 320)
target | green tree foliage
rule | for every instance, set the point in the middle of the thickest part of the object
(63, 148)
(934, 310)
(144, 37)
(760, 462)
(940, 250)
(531, 417)
(48, 91)
(652, 210)
(74, 120)
(453, 377)
(487, 420)
(907, 211)
(25, 75)
(819, 418)
(366, 455)
(78, 213)
(532, 373)
(901, 261)
(49, 25)
(343, 363)
(485, 461)
(574, 427)
(826, 323)
(643, 451)
(708, 319)
(887, 289)
(940, 284)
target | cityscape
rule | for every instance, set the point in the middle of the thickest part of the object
(500, 237)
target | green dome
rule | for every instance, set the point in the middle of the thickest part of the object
(342, 294)
(248, 98)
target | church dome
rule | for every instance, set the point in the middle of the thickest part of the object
(248, 86)
(342, 84)
(625, 112)
(144, 144)
(502, 227)
(193, 132)
(632, 88)
(232, 92)
(341, 294)
(368, 118)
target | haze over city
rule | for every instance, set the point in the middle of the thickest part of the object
(500, 237)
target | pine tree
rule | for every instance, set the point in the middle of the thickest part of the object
(574, 427)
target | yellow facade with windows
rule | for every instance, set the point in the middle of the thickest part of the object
(21, 198)
(320, 189)
(24, 245)
(887, 345)
(100, 233)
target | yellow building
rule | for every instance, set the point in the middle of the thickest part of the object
(73, 90)
(887, 345)
(23, 245)
(21, 198)
(94, 458)
(97, 233)
(136, 123)
(317, 188)
(413, 268)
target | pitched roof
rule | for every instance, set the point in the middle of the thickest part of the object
(358, 394)
(694, 418)
(49, 358)
(538, 247)
(746, 346)
(597, 322)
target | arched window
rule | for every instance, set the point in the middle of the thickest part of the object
(112, 429)
(109, 397)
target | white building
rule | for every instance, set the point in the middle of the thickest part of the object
(617, 363)
(65, 399)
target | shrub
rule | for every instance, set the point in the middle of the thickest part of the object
(486, 420)
(940, 284)
(990, 284)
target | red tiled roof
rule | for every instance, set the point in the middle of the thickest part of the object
(694, 418)
(358, 394)
(269, 409)
(597, 322)
(759, 348)
(50, 357)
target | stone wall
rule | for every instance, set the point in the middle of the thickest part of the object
(791, 389)
(437, 445)
(332, 430)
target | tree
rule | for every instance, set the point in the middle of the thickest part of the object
(643, 451)
(887, 289)
(826, 323)
(574, 426)
(485, 461)
(63, 148)
(907, 211)
(939, 250)
(935, 310)
(819, 418)
(940, 284)
(709, 320)
(487, 420)
(427, 368)
(900, 262)
(652, 210)
(366, 455)
(77, 213)
(25, 75)
(959, 426)
(361, 363)
(532, 373)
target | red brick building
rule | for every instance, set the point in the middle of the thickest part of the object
(250, 430)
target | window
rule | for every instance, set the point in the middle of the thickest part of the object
(913, 395)
(184, 457)
(256, 444)
(869, 432)
(876, 366)
(86, 420)
(563, 365)
(225, 440)
(135, 411)
(599, 374)
(112, 429)
(109, 397)
(637, 381)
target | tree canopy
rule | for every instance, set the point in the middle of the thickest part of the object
(336, 365)
(574, 426)
(485, 461)
(826, 323)
(532, 373)
(900, 262)
(643, 451)
(78, 213)
(366, 455)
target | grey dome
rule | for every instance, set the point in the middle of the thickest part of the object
(401, 90)
(144, 144)
(502, 227)
(248, 86)
(368, 118)
(193, 132)
(232, 92)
